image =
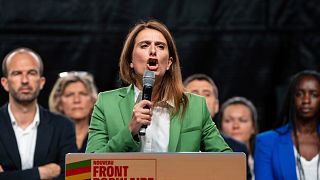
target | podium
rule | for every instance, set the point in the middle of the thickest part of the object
(156, 166)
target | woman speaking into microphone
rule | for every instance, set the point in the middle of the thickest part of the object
(175, 121)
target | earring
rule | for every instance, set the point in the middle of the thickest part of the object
(131, 65)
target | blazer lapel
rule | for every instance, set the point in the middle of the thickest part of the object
(286, 156)
(175, 128)
(8, 137)
(44, 135)
(126, 104)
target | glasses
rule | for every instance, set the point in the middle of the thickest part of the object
(75, 73)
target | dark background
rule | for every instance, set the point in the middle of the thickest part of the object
(249, 47)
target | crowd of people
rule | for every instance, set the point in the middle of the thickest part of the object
(179, 115)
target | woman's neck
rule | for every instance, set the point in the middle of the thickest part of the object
(306, 127)
(81, 125)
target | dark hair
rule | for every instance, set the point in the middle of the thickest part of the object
(19, 51)
(254, 115)
(202, 77)
(288, 111)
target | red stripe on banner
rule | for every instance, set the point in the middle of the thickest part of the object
(78, 171)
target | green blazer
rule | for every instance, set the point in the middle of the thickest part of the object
(109, 132)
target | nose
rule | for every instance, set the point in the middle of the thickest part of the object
(25, 79)
(235, 125)
(152, 50)
(306, 98)
(76, 98)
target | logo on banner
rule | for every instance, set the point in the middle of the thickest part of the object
(112, 169)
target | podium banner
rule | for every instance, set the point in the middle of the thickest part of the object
(156, 166)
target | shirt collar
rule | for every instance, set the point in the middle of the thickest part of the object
(161, 103)
(35, 121)
(136, 93)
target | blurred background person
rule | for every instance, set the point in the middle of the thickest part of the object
(204, 85)
(117, 119)
(291, 151)
(33, 140)
(239, 120)
(74, 95)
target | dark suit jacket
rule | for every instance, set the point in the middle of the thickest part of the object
(55, 138)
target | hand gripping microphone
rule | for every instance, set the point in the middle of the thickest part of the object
(148, 81)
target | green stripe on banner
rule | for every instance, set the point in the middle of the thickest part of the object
(78, 164)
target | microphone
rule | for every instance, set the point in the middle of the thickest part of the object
(148, 81)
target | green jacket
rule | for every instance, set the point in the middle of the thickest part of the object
(109, 132)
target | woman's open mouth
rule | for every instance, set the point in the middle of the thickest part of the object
(152, 64)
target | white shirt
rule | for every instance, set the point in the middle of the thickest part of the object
(157, 133)
(309, 167)
(26, 139)
(251, 166)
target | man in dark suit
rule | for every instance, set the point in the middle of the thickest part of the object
(203, 85)
(33, 141)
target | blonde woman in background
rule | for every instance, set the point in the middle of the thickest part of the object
(74, 95)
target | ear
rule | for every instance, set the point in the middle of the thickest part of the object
(4, 83)
(131, 65)
(60, 108)
(42, 82)
(253, 130)
(169, 63)
(216, 107)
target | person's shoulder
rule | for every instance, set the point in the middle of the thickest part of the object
(4, 108)
(194, 97)
(53, 118)
(270, 134)
(122, 90)
(273, 138)
(274, 133)
(4, 114)
(235, 145)
(232, 141)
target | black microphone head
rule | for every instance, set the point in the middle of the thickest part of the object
(148, 78)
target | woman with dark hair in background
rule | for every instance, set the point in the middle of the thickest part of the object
(74, 95)
(292, 150)
(177, 121)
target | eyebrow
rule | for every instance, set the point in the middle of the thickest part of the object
(309, 89)
(207, 90)
(196, 90)
(30, 70)
(149, 42)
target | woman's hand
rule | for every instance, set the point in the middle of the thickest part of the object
(140, 116)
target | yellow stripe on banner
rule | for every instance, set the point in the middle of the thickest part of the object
(79, 176)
